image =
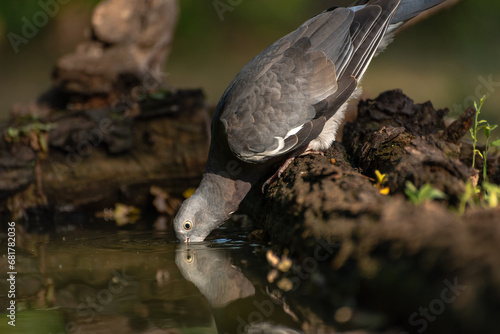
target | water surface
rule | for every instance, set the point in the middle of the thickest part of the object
(141, 282)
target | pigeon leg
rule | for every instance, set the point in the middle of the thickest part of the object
(287, 163)
(278, 172)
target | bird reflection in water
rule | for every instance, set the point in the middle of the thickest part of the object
(237, 305)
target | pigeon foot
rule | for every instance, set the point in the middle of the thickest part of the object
(287, 163)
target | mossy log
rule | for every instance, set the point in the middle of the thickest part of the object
(92, 159)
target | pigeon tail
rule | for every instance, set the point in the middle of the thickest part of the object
(407, 9)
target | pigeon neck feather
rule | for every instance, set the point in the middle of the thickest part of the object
(222, 194)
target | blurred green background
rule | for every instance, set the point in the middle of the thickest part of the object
(447, 58)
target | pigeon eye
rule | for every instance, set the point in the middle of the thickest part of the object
(187, 225)
(189, 258)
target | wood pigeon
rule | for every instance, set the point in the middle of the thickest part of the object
(288, 100)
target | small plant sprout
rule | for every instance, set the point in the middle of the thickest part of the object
(470, 196)
(426, 193)
(381, 181)
(475, 128)
(487, 129)
(487, 194)
(491, 196)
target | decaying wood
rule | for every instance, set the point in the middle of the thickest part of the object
(383, 242)
(110, 127)
(97, 157)
(162, 147)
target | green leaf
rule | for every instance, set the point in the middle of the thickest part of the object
(425, 193)
(410, 186)
(478, 107)
(437, 194)
(13, 132)
(496, 143)
(411, 192)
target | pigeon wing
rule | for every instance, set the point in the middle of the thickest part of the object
(281, 100)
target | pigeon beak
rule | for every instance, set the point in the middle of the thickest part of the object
(187, 240)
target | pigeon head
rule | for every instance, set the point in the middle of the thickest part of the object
(194, 221)
(216, 198)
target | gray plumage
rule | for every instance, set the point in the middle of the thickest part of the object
(214, 275)
(289, 98)
(226, 288)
